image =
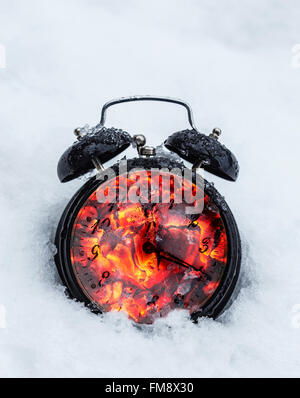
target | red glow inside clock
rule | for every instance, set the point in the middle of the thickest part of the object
(147, 259)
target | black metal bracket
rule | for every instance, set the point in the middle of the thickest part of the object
(148, 98)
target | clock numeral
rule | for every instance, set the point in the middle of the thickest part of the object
(104, 223)
(205, 243)
(111, 206)
(192, 224)
(94, 226)
(95, 252)
(105, 275)
(153, 301)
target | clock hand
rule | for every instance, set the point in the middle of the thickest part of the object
(176, 261)
(148, 247)
(185, 264)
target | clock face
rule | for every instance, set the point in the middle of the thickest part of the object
(144, 257)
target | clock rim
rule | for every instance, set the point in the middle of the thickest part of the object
(220, 298)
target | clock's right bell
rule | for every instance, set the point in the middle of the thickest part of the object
(204, 151)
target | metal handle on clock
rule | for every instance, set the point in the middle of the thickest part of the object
(148, 98)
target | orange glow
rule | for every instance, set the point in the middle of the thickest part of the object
(147, 259)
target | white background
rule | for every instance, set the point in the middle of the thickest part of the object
(232, 60)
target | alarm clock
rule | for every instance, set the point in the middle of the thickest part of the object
(128, 242)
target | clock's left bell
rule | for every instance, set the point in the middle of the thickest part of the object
(94, 146)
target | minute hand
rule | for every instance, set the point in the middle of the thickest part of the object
(150, 248)
(176, 260)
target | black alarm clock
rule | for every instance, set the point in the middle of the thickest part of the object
(129, 242)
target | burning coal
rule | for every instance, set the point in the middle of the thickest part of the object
(147, 258)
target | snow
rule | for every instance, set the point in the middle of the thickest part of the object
(232, 61)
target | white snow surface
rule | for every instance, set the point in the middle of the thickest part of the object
(232, 61)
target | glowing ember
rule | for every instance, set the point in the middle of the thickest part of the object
(147, 259)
